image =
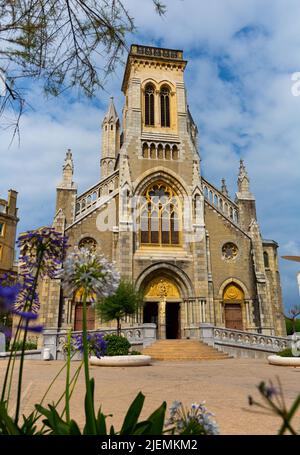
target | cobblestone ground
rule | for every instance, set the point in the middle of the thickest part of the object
(223, 384)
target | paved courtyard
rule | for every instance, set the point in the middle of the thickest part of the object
(223, 384)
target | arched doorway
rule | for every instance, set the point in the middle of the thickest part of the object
(162, 303)
(233, 300)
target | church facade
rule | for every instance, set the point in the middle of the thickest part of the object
(197, 254)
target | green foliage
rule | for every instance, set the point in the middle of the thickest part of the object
(125, 302)
(29, 345)
(116, 345)
(289, 326)
(135, 353)
(54, 424)
(9, 427)
(62, 44)
(285, 353)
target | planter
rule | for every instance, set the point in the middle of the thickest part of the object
(121, 361)
(284, 361)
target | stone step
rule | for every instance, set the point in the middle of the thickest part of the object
(166, 357)
(183, 350)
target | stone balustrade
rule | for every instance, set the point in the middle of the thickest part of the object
(96, 195)
(249, 340)
(221, 202)
(138, 335)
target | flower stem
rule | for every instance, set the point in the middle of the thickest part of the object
(20, 378)
(90, 421)
(68, 377)
(11, 359)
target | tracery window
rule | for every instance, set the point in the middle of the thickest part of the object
(149, 105)
(165, 106)
(160, 220)
(88, 243)
(229, 251)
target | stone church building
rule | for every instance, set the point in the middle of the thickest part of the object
(197, 254)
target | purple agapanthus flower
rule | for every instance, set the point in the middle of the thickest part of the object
(13, 300)
(32, 328)
(27, 291)
(8, 295)
(269, 391)
(97, 345)
(44, 248)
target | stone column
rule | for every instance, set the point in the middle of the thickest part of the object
(162, 319)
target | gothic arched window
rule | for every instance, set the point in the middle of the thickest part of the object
(160, 216)
(266, 260)
(165, 106)
(149, 105)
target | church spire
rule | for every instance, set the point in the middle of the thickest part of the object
(244, 183)
(224, 189)
(68, 170)
(111, 115)
(245, 199)
(243, 179)
(110, 140)
(66, 191)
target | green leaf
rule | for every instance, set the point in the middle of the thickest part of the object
(53, 420)
(133, 414)
(90, 417)
(101, 423)
(142, 428)
(74, 429)
(157, 420)
(28, 427)
(7, 425)
(287, 423)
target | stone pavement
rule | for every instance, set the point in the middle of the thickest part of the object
(223, 384)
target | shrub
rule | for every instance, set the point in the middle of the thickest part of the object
(116, 345)
(29, 345)
(135, 353)
(285, 353)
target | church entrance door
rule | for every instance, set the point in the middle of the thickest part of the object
(90, 316)
(233, 316)
(162, 306)
(172, 320)
(233, 300)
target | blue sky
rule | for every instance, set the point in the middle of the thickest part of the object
(241, 55)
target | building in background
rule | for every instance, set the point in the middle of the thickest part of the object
(8, 227)
(197, 254)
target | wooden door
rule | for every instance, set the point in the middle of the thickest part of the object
(78, 317)
(233, 316)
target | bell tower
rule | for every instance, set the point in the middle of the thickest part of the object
(158, 128)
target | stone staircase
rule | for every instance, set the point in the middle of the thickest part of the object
(183, 350)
